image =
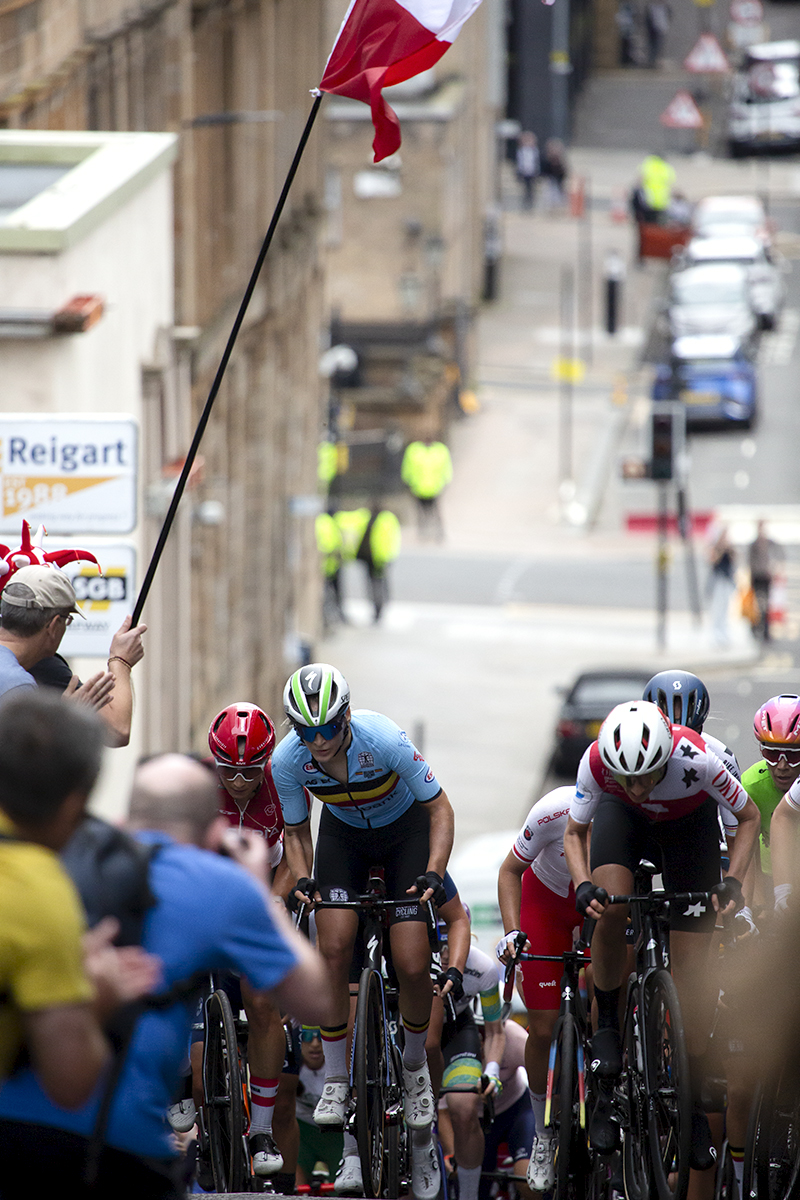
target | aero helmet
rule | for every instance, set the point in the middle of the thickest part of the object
(242, 735)
(681, 696)
(777, 722)
(635, 738)
(321, 683)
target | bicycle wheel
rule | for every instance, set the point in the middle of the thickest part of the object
(570, 1149)
(772, 1154)
(635, 1152)
(396, 1132)
(669, 1123)
(726, 1187)
(371, 1082)
(223, 1089)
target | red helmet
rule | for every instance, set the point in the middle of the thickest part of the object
(777, 723)
(242, 735)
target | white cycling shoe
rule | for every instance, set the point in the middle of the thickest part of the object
(331, 1107)
(541, 1173)
(267, 1158)
(426, 1177)
(418, 1102)
(182, 1116)
(348, 1181)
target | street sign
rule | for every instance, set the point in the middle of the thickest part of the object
(682, 113)
(706, 57)
(71, 473)
(105, 600)
(747, 12)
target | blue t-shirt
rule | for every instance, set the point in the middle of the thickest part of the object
(12, 675)
(385, 775)
(209, 915)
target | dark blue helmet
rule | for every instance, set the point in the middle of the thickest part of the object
(681, 696)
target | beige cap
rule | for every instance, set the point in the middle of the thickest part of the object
(50, 588)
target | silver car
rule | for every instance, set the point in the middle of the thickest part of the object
(764, 110)
(765, 276)
(711, 298)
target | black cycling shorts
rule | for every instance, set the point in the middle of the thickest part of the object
(345, 854)
(686, 850)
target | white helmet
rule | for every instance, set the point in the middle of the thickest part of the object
(322, 683)
(635, 738)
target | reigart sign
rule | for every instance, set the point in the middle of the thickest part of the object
(105, 600)
(73, 474)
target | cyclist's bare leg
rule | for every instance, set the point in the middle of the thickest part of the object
(468, 1141)
(266, 1041)
(433, 1045)
(284, 1123)
(520, 1179)
(541, 1023)
(336, 934)
(411, 957)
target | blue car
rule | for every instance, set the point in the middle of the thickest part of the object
(713, 376)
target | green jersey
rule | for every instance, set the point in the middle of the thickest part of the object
(757, 782)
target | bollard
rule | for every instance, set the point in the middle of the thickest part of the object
(577, 196)
(614, 274)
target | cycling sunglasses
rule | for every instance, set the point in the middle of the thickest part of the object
(774, 754)
(248, 774)
(309, 732)
(651, 779)
(310, 1033)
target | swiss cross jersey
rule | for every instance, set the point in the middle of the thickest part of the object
(540, 842)
(261, 813)
(385, 775)
(728, 758)
(694, 774)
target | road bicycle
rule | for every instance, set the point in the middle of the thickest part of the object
(653, 1098)
(376, 1069)
(566, 1095)
(772, 1149)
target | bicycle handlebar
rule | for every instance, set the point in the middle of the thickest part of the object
(583, 943)
(654, 899)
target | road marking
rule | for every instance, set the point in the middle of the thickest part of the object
(777, 347)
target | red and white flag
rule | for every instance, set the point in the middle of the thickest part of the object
(383, 42)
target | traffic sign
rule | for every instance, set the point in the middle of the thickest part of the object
(747, 12)
(707, 57)
(682, 113)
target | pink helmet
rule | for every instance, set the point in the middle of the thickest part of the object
(777, 723)
(242, 735)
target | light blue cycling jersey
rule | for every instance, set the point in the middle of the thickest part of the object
(386, 774)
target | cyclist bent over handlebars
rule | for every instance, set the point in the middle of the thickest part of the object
(382, 805)
(651, 790)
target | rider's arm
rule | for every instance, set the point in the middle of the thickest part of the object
(494, 1047)
(298, 850)
(576, 851)
(509, 890)
(455, 917)
(783, 833)
(745, 841)
(440, 813)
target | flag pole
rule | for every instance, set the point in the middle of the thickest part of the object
(215, 386)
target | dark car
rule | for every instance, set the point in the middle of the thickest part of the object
(586, 705)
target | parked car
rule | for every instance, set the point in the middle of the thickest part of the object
(765, 276)
(714, 377)
(764, 112)
(586, 705)
(711, 298)
(725, 216)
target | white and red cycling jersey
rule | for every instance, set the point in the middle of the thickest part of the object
(540, 842)
(694, 774)
(262, 813)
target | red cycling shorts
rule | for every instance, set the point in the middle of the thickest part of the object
(549, 922)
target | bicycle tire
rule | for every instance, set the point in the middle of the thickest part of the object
(565, 1116)
(669, 1118)
(370, 1081)
(772, 1153)
(635, 1149)
(223, 1090)
(396, 1133)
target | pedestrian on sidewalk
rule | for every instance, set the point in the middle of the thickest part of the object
(371, 536)
(426, 471)
(657, 18)
(721, 586)
(626, 24)
(554, 172)
(528, 166)
(763, 555)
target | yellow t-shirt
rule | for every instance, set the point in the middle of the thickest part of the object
(41, 925)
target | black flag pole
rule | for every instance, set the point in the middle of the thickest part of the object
(212, 395)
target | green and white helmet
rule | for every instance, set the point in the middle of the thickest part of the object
(320, 682)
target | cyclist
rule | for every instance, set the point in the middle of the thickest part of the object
(381, 804)
(454, 1044)
(777, 728)
(650, 790)
(241, 739)
(540, 902)
(513, 1124)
